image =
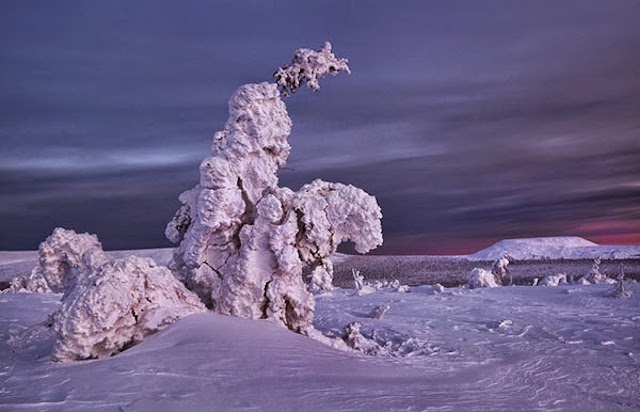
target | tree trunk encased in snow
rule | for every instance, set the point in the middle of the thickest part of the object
(243, 241)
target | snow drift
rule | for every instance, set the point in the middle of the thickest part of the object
(244, 242)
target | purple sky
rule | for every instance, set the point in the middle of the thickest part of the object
(469, 121)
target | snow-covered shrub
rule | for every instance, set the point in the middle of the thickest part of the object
(500, 270)
(357, 341)
(620, 291)
(32, 283)
(480, 278)
(364, 287)
(116, 305)
(63, 258)
(106, 306)
(243, 241)
(594, 276)
(554, 280)
(379, 311)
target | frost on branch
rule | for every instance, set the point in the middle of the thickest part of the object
(245, 243)
(308, 67)
(106, 306)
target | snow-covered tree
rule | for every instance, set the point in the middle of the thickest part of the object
(480, 278)
(244, 242)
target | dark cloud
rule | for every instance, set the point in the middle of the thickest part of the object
(470, 121)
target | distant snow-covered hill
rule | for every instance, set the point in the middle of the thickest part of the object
(562, 247)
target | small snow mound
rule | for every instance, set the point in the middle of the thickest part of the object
(379, 311)
(480, 278)
(357, 341)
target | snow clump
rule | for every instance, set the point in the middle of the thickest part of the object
(594, 276)
(244, 242)
(480, 278)
(106, 306)
(554, 280)
(62, 258)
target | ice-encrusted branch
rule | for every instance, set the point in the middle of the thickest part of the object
(308, 66)
(244, 242)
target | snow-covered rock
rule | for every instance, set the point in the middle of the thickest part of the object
(244, 242)
(480, 278)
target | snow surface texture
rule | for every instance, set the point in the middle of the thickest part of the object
(106, 306)
(243, 241)
(493, 349)
(568, 247)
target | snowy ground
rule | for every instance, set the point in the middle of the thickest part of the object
(521, 348)
(503, 349)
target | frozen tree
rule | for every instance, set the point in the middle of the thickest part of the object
(500, 270)
(244, 242)
(594, 276)
(106, 306)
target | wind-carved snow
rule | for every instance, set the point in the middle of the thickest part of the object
(106, 305)
(244, 242)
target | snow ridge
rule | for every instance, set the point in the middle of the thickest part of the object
(562, 247)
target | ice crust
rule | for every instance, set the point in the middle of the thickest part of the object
(244, 242)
